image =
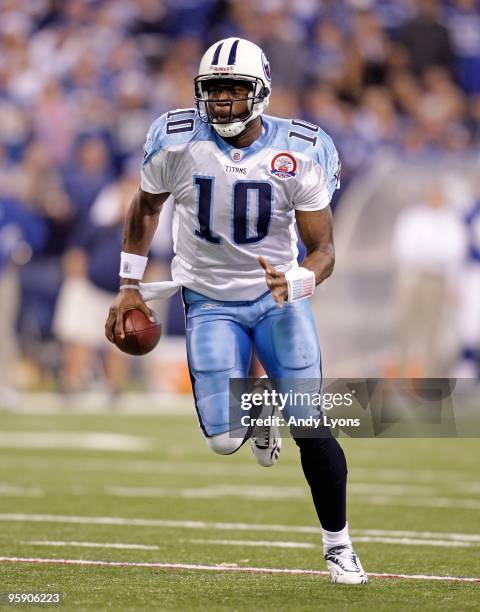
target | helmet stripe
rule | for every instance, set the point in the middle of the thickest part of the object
(216, 55)
(233, 53)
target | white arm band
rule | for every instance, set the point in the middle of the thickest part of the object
(301, 283)
(132, 266)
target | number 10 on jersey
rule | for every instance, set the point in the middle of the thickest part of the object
(243, 193)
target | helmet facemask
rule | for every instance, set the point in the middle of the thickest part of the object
(257, 100)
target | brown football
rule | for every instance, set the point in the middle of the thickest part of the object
(141, 335)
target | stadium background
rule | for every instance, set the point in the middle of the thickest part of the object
(397, 86)
(89, 473)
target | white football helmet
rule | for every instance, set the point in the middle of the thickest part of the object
(234, 59)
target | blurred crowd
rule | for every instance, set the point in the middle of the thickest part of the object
(81, 81)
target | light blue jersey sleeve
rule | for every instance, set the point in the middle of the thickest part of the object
(177, 127)
(319, 167)
(320, 176)
(154, 173)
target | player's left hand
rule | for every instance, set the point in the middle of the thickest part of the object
(276, 282)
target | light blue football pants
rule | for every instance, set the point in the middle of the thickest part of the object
(220, 339)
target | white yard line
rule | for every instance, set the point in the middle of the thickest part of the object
(417, 489)
(254, 543)
(90, 544)
(219, 526)
(91, 440)
(466, 537)
(207, 468)
(435, 502)
(365, 493)
(224, 568)
(415, 542)
(12, 490)
(264, 493)
(367, 539)
(267, 492)
(51, 404)
(411, 475)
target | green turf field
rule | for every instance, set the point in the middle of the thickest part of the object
(74, 485)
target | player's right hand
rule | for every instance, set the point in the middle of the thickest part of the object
(276, 282)
(127, 299)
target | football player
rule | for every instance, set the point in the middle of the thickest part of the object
(240, 181)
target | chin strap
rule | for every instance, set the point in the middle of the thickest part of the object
(229, 130)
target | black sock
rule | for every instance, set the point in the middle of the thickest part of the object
(325, 469)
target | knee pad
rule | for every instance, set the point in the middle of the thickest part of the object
(224, 443)
(295, 343)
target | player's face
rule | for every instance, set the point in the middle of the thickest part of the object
(228, 100)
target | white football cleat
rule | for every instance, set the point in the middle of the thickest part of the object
(266, 444)
(265, 440)
(344, 566)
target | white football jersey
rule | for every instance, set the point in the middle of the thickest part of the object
(233, 205)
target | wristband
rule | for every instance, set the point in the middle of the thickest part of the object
(301, 283)
(124, 287)
(132, 266)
